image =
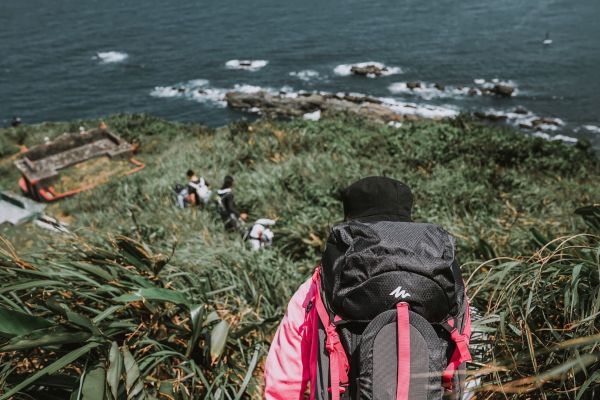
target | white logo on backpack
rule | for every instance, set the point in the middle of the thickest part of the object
(398, 292)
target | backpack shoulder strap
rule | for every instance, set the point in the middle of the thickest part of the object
(403, 337)
(338, 360)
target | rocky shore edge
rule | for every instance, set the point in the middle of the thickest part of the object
(310, 105)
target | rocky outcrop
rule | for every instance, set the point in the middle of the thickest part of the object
(545, 121)
(283, 105)
(521, 110)
(490, 116)
(413, 85)
(368, 70)
(503, 90)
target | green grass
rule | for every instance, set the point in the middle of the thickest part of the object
(499, 192)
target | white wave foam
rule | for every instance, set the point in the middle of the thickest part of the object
(346, 69)
(592, 128)
(484, 84)
(107, 57)
(249, 89)
(420, 110)
(198, 90)
(313, 116)
(528, 120)
(197, 83)
(247, 65)
(165, 92)
(430, 91)
(305, 75)
(210, 95)
(562, 138)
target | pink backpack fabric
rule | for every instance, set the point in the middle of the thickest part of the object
(291, 363)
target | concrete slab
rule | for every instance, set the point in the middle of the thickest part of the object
(43, 162)
(17, 210)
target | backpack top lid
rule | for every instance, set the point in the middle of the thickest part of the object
(368, 267)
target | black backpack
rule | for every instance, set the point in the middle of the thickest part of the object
(393, 314)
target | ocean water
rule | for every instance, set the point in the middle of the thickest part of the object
(74, 59)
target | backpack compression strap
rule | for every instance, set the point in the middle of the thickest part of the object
(338, 360)
(402, 386)
(461, 352)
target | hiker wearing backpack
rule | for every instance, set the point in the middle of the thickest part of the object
(384, 316)
(227, 209)
(198, 190)
(260, 235)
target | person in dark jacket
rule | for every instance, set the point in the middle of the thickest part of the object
(228, 210)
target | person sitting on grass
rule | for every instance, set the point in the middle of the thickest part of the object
(198, 189)
(227, 209)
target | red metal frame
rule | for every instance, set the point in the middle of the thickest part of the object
(49, 194)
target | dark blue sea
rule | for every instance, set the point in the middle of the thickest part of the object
(75, 59)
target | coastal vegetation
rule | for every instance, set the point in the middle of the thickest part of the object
(146, 300)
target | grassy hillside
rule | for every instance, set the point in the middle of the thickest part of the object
(497, 191)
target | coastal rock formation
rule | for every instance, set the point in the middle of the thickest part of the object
(545, 121)
(521, 110)
(368, 70)
(503, 90)
(284, 105)
(413, 85)
(490, 116)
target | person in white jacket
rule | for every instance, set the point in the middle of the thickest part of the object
(198, 189)
(260, 235)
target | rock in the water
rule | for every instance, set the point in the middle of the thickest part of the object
(503, 90)
(439, 87)
(521, 110)
(413, 85)
(368, 70)
(545, 121)
(472, 92)
(490, 117)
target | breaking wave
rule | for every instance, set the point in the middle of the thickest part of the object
(199, 90)
(592, 128)
(562, 138)
(430, 91)
(305, 75)
(420, 110)
(109, 57)
(346, 69)
(247, 65)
